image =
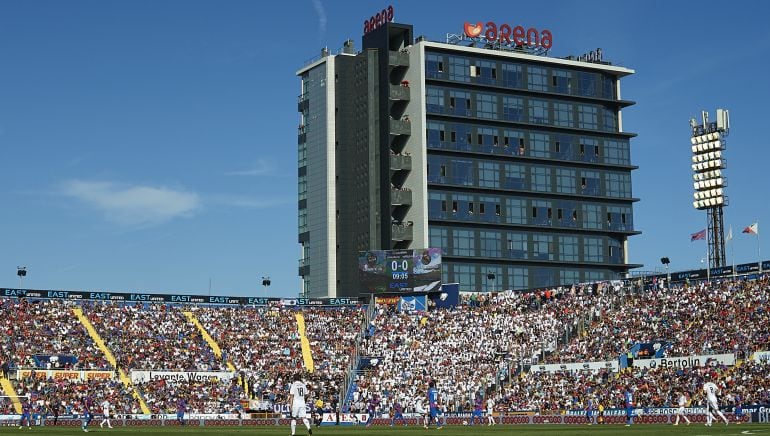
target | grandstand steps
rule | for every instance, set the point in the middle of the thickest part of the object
(97, 338)
(11, 392)
(207, 337)
(307, 355)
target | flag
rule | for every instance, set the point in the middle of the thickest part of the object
(752, 229)
(698, 235)
(730, 234)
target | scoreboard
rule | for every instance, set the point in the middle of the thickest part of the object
(399, 271)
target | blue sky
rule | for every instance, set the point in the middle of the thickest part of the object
(151, 145)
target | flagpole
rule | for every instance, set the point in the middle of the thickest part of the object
(732, 250)
(708, 259)
(759, 248)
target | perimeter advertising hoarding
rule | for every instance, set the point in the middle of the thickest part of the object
(399, 271)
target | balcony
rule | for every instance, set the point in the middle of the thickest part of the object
(398, 59)
(400, 127)
(401, 231)
(399, 93)
(400, 197)
(301, 134)
(400, 162)
(304, 262)
(302, 103)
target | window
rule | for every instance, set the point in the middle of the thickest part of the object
(538, 112)
(515, 176)
(486, 72)
(465, 276)
(435, 134)
(470, 208)
(513, 108)
(588, 117)
(561, 81)
(459, 70)
(565, 181)
(568, 249)
(610, 120)
(464, 242)
(490, 244)
(617, 185)
(459, 103)
(592, 216)
(438, 237)
(616, 151)
(569, 277)
(518, 278)
(542, 247)
(302, 220)
(512, 75)
(434, 64)
(486, 106)
(515, 211)
(489, 175)
(562, 113)
(434, 100)
(586, 83)
(537, 78)
(538, 145)
(517, 246)
(541, 179)
(454, 207)
(512, 138)
(462, 172)
(498, 212)
(302, 187)
(592, 249)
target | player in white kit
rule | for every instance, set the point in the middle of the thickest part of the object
(419, 408)
(490, 411)
(712, 405)
(106, 413)
(680, 411)
(297, 393)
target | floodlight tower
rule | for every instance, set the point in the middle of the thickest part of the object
(708, 146)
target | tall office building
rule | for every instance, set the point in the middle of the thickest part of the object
(514, 163)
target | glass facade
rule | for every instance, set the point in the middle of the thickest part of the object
(529, 175)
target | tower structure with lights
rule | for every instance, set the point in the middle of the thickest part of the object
(708, 164)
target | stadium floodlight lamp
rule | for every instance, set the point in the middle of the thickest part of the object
(265, 281)
(21, 271)
(665, 260)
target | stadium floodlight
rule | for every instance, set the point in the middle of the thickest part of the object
(21, 271)
(491, 277)
(665, 261)
(265, 281)
(707, 142)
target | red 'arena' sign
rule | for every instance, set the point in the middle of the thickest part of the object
(508, 35)
(377, 20)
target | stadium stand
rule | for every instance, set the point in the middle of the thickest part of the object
(486, 346)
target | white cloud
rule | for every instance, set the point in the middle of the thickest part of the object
(259, 168)
(133, 206)
(319, 8)
(248, 202)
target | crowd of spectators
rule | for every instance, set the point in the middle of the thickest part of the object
(152, 337)
(209, 396)
(69, 394)
(481, 346)
(725, 317)
(264, 345)
(45, 328)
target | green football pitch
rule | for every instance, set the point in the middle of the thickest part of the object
(524, 430)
